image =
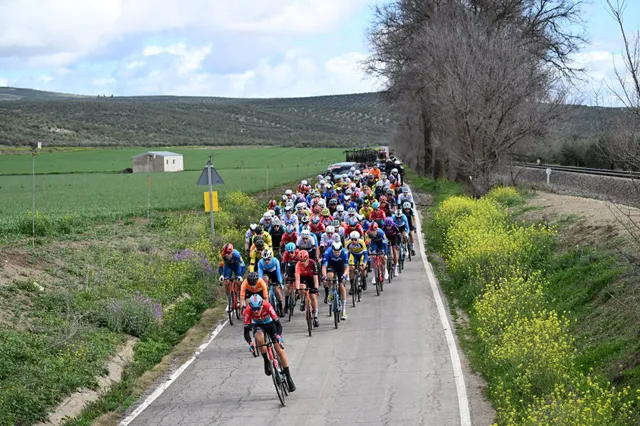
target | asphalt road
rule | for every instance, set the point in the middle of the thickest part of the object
(387, 364)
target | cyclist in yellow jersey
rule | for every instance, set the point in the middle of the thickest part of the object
(366, 209)
(255, 254)
(265, 236)
(358, 256)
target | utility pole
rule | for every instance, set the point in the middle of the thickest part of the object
(210, 181)
(34, 150)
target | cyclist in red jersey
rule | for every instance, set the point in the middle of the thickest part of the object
(290, 236)
(307, 274)
(261, 318)
(353, 225)
(377, 214)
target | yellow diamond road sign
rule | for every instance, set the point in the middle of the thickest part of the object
(207, 203)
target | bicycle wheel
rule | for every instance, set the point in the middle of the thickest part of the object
(309, 319)
(292, 301)
(278, 382)
(336, 309)
(354, 290)
(230, 306)
(363, 280)
(401, 258)
(236, 303)
(390, 268)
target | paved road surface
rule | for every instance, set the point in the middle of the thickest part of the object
(388, 364)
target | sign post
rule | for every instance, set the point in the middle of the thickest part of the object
(34, 150)
(210, 177)
(548, 171)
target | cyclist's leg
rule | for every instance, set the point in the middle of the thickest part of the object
(313, 296)
(352, 266)
(343, 289)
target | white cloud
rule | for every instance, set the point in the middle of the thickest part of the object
(4, 82)
(176, 70)
(58, 32)
(103, 81)
(134, 64)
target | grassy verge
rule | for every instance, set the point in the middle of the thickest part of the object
(543, 329)
(94, 289)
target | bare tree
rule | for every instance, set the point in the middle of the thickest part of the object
(472, 79)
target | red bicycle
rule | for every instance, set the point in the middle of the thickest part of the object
(379, 265)
(278, 376)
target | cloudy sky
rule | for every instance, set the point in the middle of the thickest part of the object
(245, 48)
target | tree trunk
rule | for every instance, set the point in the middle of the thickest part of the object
(427, 143)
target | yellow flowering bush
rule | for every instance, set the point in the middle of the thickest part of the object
(505, 195)
(534, 352)
(514, 296)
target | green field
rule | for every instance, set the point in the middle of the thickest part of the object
(72, 201)
(114, 160)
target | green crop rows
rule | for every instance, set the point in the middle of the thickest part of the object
(70, 202)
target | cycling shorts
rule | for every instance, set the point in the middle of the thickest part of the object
(355, 258)
(248, 293)
(237, 270)
(268, 328)
(337, 268)
(394, 240)
(377, 246)
(402, 228)
(309, 283)
(273, 277)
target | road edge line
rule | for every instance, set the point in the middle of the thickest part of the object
(164, 386)
(458, 376)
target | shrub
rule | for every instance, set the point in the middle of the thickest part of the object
(132, 315)
(505, 195)
(43, 225)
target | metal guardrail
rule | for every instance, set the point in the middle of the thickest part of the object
(582, 170)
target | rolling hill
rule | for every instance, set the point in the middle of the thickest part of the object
(65, 120)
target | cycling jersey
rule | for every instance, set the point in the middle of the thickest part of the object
(290, 219)
(272, 268)
(288, 238)
(232, 267)
(330, 256)
(391, 231)
(357, 247)
(255, 255)
(327, 240)
(326, 220)
(377, 215)
(264, 316)
(366, 211)
(402, 222)
(260, 288)
(276, 236)
(340, 215)
(266, 237)
(349, 229)
(316, 228)
(235, 258)
(306, 271)
(308, 245)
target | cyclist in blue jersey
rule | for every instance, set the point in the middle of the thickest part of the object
(232, 267)
(392, 233)
(269, 270)
(410, 214)
(334, 263)
(377, 246)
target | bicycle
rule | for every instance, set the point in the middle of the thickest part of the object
(273, 299)
(390, 264)
(291, 299)
(401, 257)
(356, 288)
(334, 306)
(233, 305)
(378, 263)
(277, 372)
(307, 309)
(406, 247)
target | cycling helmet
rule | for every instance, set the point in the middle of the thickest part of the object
(330, 229)
(290, 228)
(303, 256)
(305, 233)
(320, 177)
(383, 198)
(351, 210)
(252, 278)
(347, 197)
(333, 201)
(376, 205)
(266, 215)
(360, 217)
(394, 171)
(288, 192)
(340, 208)
(353, 169)
(266, 254)
(322, 203)
(388, 221)
(325, 212)
(405, 189)
(304, 219)
(255, 302)
(353, 221)
(336, 245)
(290, 247)
(227, 249)
(348, 191)
(390, 192)
(259, 244)
(380, 183)
(284, 198)
(406, 205)
(322, 181)
(354, 235)
(339, 189)
(288, 209)
(276, 221)
(259, 229)
(374, 226)
(253, 226)
(398, 213)
(335, 223)
(328, 186)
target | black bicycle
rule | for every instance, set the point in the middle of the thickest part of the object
(277, 371)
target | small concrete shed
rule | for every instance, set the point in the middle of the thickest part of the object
(158, 161)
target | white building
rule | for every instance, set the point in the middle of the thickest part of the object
(158, 161)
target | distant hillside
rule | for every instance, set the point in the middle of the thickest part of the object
(15, 94)
(60, 120)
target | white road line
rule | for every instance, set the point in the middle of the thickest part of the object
(461, 389)
(156, 393)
